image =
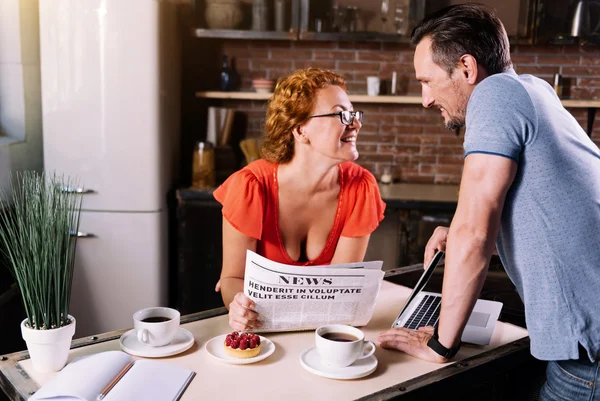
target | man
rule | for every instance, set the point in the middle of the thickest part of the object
(530, 186)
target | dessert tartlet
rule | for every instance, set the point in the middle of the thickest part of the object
(242, 345)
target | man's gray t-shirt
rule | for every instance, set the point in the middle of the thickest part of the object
(549, 239)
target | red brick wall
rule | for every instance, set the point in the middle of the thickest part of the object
(409, 138)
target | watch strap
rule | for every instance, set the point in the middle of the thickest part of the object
(435, 345)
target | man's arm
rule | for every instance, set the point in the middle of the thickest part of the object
(437, 242)
(471, 239)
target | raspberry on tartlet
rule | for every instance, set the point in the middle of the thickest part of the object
(242, 345)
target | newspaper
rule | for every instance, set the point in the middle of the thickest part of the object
(291, 297)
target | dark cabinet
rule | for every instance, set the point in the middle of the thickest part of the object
(359, 20)
(416, 227)
(518, 16)
(11, 309)
(575, 21)
(11, 312)
(199, 252)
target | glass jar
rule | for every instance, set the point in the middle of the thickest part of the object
(352, 18)
(259, 15)
(386, 177)
(401, 20)
(203, 166)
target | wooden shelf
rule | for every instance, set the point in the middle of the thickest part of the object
(590, 105)
(245, 34)
(354, 37)
(386, 99)
(582, 104)
(234, 95)
(266, 96)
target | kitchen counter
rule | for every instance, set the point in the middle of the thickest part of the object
(421, 196)
(400, 195)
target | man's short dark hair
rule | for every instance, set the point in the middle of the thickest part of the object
(465, 29)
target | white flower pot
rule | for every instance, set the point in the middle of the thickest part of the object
(48, 349)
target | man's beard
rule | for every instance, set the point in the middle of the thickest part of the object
(457, 121)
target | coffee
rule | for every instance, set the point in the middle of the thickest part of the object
(156, 319)
(156, 326)
(340, 345)
(340, 337)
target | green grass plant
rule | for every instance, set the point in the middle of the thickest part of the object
(36, 230)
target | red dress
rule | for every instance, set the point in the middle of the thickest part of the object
(250, 200)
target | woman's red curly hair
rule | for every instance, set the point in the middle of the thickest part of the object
(290, 106)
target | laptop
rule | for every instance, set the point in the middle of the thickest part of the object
(423, 309)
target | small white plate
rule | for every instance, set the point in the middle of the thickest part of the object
(311, 361)
(182, 341)
(215, 348)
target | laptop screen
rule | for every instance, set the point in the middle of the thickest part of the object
(423, 280)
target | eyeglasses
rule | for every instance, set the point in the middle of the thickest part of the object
(346, 117)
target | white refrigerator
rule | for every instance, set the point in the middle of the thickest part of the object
(111, 112)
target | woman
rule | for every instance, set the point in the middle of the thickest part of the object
(305, 203)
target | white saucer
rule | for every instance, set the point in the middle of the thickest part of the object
(311, 361)
(182, 341)
(214, 347)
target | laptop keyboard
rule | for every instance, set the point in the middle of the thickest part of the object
(426, 314)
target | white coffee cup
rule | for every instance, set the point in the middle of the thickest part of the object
(156, 326)
(340, 345)
(373, 84)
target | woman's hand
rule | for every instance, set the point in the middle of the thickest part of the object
(437, 242)
(242, 316)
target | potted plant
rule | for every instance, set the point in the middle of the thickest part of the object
(36, 224)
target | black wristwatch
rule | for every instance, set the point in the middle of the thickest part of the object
(435, 345)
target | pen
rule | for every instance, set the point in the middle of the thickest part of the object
(114, 381)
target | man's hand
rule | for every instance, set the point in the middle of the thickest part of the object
(412, 342)
(437, 242)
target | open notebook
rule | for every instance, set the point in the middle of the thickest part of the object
(86, 377)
